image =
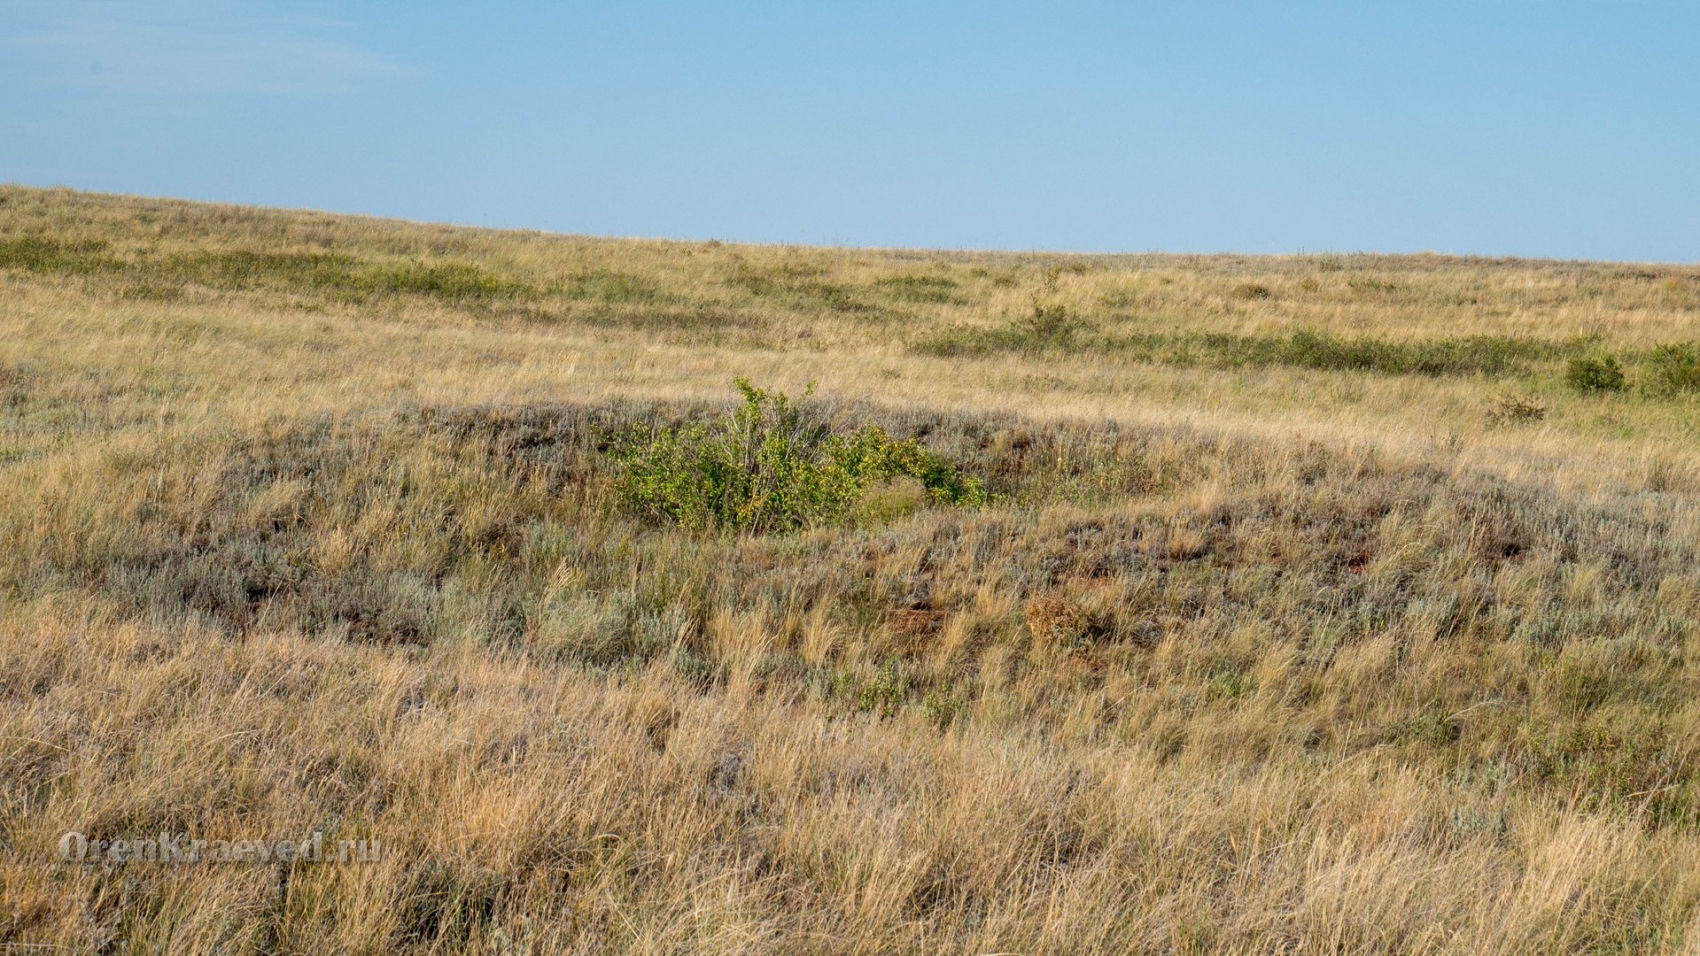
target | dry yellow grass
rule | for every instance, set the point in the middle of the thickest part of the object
(1268, 644)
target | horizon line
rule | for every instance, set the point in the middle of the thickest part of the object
(1300, 253)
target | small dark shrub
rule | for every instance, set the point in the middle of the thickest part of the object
(1589, 374)
(1509, 409)
(1371, 287)
(1049, 323)
(769, 467)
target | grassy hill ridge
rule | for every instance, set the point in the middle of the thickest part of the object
(1317, 603)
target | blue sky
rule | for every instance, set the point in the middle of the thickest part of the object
(1502, 127)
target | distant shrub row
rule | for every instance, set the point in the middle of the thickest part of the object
(1666, 370)
(1049, 329)
(342, 276)
(1476, 354)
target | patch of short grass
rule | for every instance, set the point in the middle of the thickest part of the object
(925, 289)
(612, 287)
(50, 256)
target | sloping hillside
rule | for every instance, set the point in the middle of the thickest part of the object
(1332, 603)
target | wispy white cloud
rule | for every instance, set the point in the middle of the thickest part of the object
(177, 47)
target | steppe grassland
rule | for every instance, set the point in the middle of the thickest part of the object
(1262, 647)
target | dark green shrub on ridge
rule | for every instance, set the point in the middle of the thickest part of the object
(1674, 368)
(1588, 374)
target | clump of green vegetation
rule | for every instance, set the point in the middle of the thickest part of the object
(1371, 287)
(1050, 323)
(921, 289)
(450, 280)
(1053, 326)
(47, 256)
(1594, 374)
(1674, 369)
(603, 285)
(1045, 328)
(1487, 354)
(242, 269)
(799, 283)
(342, 277)
(771, 467)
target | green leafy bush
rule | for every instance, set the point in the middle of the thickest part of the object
(770, 467)
(1051, 323)
(1675, 368)
(1590, 374)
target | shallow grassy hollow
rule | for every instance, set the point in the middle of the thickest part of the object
(1271, 638)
